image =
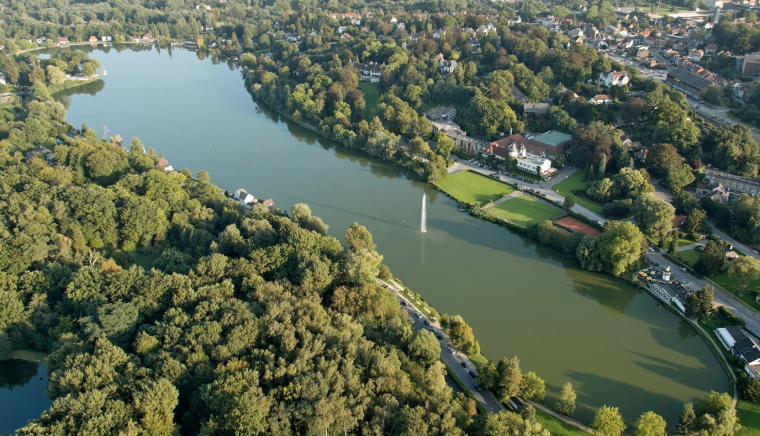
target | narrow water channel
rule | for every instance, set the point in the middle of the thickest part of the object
(608, 339)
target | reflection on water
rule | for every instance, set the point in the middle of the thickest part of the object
(90, 88)
(22, 393)
(16, 372)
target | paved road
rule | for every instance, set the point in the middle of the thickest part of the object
(743, 247)
(543, 188)
(454, 361)
(722, 297)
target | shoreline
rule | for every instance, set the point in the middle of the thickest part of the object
(29, 356)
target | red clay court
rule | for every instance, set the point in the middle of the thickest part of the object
(575, 225)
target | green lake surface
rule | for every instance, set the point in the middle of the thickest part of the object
(22, 393)
(610, 340)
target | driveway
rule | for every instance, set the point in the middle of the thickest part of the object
(453, 360)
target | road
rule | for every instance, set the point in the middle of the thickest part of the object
(543, 188)
(722, 297)
(743, 247)
(453, 360)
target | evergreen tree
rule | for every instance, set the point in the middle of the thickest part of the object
(566, 401)
(602, 166)
(686, 421)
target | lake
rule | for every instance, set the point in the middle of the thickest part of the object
(22, 393)
(610, 340)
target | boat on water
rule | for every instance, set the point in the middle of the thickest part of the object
(105, 73)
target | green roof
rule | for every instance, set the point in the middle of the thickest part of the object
(552, 138)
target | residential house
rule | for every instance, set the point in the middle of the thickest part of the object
(106, 38)
(93, 39)
(244, 197)
(613, 78)
(642, 52)
(678, 221)
(345, 36)
(295, 38)
(342, 29)
(534, 109)
(502, 147)
(147, 38)
(268, 203)
(600, 99)
(163, 164)
(711, 48)
(63, 40)
(514, 20)
(47, 154)
(447, 67)
(641, 155)
(716, 192)
(369, 72)
(695, 55)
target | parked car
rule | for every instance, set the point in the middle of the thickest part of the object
(656, 264)
(403, 303)
(419, 315)
(427, 322)
(451, 350)
(439, 337)
(464, 364)
(477, 386)
(434, 330)
(755, 252)
(473, 374)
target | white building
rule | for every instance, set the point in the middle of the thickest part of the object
(369, 72)
(614, 78)
(600, 99)
(529, 162)
(244, 197)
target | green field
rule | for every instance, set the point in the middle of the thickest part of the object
(557, 427)
(576, 183)
(371, 97)
(689, 257)
(472, 187)
(749, 418)
(728, 284)
(524, 209)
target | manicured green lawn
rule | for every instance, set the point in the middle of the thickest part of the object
(749, 418)
(371, 97)
(472, 187)
(557, 427)
(726, 282)
(576, 183)
(689, 257)
(524, 209)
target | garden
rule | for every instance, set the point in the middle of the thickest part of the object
(576, 183)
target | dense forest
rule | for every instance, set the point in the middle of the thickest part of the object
(252, 322)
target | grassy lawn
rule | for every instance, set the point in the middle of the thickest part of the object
(557, 427)
(689, 257)
(749, 417)
(372, 97)
(728, 283)
(575, 183)
(28, 355)
(524, 209)
(472, 187)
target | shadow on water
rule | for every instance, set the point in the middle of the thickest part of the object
(16, 372)
(607, 388)
(669, 369)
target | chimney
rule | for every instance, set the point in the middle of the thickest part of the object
(510, 131)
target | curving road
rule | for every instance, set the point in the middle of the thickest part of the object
(453, 360)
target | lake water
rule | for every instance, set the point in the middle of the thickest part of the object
(22, 393)
(608, 339)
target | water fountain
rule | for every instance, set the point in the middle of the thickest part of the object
(423, 226)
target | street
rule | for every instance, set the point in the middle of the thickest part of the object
(722, 298)
(454, 361)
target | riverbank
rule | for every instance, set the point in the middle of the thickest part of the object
(29, 355)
